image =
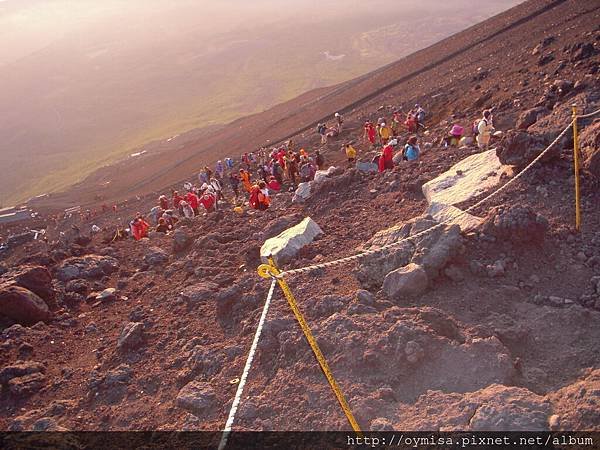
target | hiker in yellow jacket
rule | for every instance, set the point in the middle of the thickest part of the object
(385, 133)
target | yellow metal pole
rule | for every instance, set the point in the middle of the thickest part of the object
(264, 271)
(576, 164)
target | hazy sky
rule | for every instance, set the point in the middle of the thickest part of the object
(83, 82)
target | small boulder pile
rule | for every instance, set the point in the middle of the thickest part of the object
(406, 270)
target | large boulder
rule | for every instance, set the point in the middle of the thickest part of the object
(529, 117)
(590, 148)
(88, 267)
(35, 278)
(302, 192)
(20, 369)
(198, 293)
(452, 215)
(492, 408)
(519, 148)
(181, 240)
(284, 247)
(467, 179)
(433, 250)
(517, 224)
(408, 281)
(22, 305)
(321, 175)
(197, 397)
(155, 256)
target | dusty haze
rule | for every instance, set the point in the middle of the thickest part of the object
(83, 83)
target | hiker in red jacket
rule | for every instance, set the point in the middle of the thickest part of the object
(274, 185)
(139, 227)
(208, 201)
(192, 200)
(259, 196)
(386, 161)
(177, 199)
(370, 132)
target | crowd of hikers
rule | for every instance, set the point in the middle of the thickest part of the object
(255, 177)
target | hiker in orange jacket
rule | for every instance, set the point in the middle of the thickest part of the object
(245, 179)
(259, 196)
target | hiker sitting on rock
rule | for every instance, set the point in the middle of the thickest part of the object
(259, 196)
(169, 218)
(274, 185)
(162, 226)
(139, 227)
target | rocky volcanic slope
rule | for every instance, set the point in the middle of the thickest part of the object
(503, 335)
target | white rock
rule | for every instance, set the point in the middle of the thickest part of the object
(287, 244)
(320, 175)
(302, 192)
(406, 281)
(367, 167)
(452, 215)
(478, 174)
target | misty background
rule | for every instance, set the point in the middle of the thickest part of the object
(84, 83)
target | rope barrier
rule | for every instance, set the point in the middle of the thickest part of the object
(586, 116)
(244, 377)
(270, 270)
(350, 259)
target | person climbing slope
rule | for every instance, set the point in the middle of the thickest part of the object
(370, 133)
(350, 154)
(245, 179)
(387, 154)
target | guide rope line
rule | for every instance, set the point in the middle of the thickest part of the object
(270, 270)
(365, 253)
(247, 366)
(586, 116)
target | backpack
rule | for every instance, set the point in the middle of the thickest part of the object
(476, 126)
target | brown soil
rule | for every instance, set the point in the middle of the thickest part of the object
(488, 348)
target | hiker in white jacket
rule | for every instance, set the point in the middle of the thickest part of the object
(485, 128)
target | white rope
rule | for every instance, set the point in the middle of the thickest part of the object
(244, 377)
(349, 259)
(585, 116)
